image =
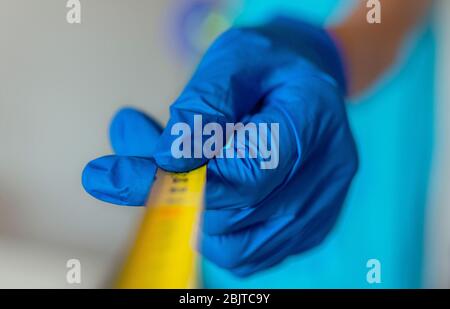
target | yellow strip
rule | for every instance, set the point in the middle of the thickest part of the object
(164, 253)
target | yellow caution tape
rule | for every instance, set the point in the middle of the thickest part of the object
(164, 255)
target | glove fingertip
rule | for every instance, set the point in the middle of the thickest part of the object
(133, 133)
(119, 180)
(170, 164)
(170, 157)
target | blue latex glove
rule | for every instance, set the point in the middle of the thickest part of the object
(285, 72)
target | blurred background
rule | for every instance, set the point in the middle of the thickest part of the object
(61, 83)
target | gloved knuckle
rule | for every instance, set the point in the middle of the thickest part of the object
(227, 254)
(243, 39)
(229, 37)
(230, 258)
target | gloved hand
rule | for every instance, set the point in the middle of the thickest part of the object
(285, 72)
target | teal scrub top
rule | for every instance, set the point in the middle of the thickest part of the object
(384, 214)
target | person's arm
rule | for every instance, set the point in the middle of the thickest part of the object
(370, 49)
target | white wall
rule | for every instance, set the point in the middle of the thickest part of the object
(59, 86)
